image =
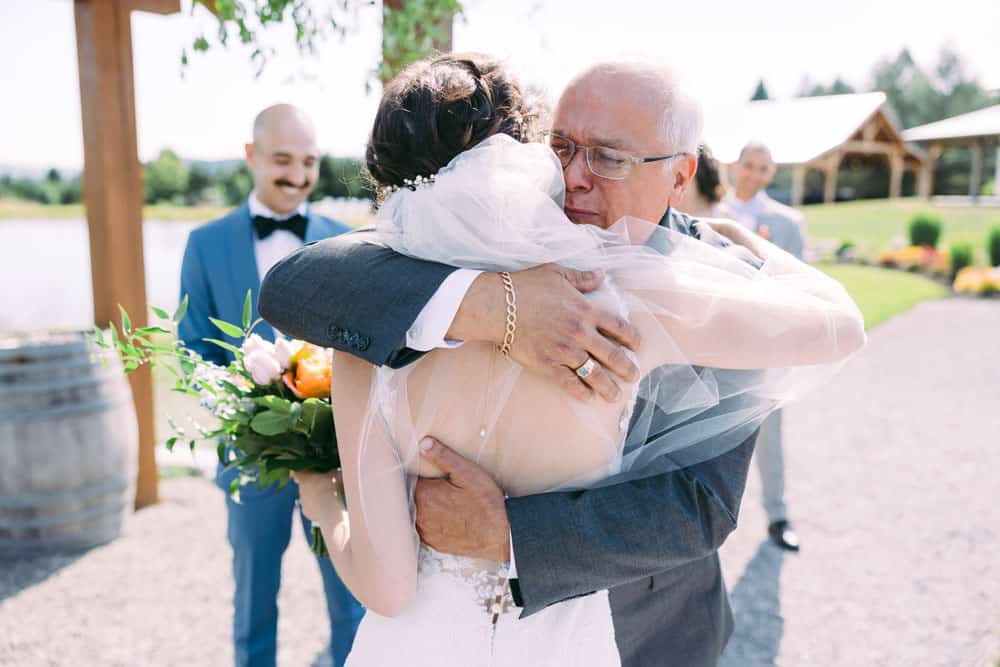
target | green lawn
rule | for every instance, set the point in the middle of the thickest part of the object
(14, 208)
(872, 225)
(883, 293)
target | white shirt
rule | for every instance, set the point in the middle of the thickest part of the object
(268, 251)
(745, 212)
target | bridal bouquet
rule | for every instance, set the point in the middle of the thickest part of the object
(271, 403)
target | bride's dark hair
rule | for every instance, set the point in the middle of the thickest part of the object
(438, 107)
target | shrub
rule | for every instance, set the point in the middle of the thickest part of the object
(961, 257)
(925, 229)
(993, 247)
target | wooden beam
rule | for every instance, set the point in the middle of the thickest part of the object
(868, 147)
(830, 178)
(996, 175)
(113, 194)
(896, 174)
(976, 177)
(798, 184)
(926, 185)
(153, 6)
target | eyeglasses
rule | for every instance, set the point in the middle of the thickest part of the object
(602, 161)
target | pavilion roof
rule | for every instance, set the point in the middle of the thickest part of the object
(796, 130)
(982, 123)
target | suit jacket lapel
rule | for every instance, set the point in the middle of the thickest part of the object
(315, 230)
(243, 269)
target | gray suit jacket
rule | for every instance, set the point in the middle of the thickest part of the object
(652, 542)
(784, 226)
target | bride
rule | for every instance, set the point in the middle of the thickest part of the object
(723, 316)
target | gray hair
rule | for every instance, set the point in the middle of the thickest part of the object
(681, 120)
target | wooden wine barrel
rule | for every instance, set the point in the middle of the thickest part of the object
(68, 445)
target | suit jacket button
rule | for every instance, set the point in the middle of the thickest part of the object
(364, 343)
(333, 331)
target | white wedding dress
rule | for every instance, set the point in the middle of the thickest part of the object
(463, 616)
(497, 207)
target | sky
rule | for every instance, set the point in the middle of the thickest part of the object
(718, 49)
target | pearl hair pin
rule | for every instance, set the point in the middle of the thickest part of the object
(412, 183)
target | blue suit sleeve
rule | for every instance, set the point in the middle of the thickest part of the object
(196, 326)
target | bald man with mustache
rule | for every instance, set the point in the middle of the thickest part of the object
(223, 260)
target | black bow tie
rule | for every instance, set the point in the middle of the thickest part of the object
(264, 226)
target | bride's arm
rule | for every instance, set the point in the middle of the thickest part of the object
(728, 315)
(374, 546)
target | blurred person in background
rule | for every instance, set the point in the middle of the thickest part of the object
(222, 261)
(749, 204)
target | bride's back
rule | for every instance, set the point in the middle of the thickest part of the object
(522, 428)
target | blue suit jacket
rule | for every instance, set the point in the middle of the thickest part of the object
(219, 267)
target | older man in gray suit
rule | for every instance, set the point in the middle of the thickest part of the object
(750, 205)
(653, 543)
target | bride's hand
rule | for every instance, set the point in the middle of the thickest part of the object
(320, 493)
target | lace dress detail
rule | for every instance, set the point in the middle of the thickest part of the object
(463, 615)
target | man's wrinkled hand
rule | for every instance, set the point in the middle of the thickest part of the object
(557, 328)
(463, 513)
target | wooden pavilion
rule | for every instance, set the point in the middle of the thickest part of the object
(977, 131)
(816, 133)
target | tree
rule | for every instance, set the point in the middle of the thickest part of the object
(917, 97)
(341, 177)
(53, 176)
(411, 29)
(838, 87)
(166, 178)
(199, 181)
(236, 185)
(760, 92)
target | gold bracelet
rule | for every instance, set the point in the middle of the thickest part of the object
(508, 338)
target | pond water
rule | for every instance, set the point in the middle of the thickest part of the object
(46, 271)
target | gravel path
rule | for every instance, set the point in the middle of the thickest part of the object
(892, 483)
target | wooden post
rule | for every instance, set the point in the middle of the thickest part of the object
(830, 179)
(389, 54)
(798, 184)
(996, 175)
(926, 185)
(113, 189)
(896, 164)
(976, 177)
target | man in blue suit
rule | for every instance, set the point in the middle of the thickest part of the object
(223, 260)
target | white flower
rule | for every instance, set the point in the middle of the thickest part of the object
(254, 343)
(262, 366)
(284, 349)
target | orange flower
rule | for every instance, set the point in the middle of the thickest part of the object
(309, 373)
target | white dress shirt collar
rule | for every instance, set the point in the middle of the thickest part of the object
(258, 208)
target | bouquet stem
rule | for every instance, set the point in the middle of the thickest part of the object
(318, 545)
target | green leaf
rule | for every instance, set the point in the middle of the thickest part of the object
(170, 443)
(247, 310)
(181, 310)
(270, 422)
(126, 322)
(159, 312)
(224, 345)
(275, 403)
(145, 331)
(227, 328)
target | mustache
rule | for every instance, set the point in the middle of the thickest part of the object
(283, 183)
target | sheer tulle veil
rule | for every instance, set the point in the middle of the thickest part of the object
(498, 207)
